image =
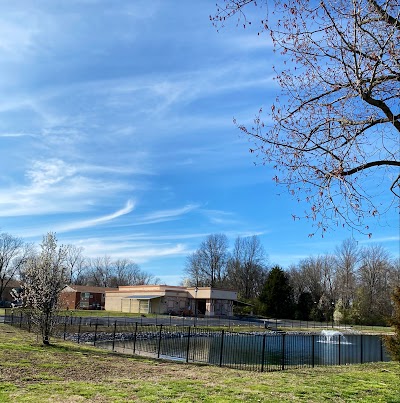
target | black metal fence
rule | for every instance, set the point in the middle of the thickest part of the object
(256, 351)
(215, 321)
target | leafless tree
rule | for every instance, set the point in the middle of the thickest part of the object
(316, 276)
(338, 119)
(195, 275)
(394, 274)
(75, 263)
(207, 266)
(329, 278)
(347, 258)
(311, 271)
(246, 269)
(99, 271)
(12, 254)
(374, 293)
(44, 276)
(127, 272)
(297, 282)
(105, 272)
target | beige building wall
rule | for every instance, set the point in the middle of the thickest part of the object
(162, 299)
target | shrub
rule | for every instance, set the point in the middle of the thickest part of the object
(393, 342)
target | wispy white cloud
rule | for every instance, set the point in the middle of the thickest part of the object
(250, 42)
(220, 217)
(143, 238)
(137, 251)
(16, 39)
(381, 239)
(46, 173)
(128, 208)
(163, 215)
(56, 186)
(17, 135)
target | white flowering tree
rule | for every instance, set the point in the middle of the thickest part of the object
(45, 275)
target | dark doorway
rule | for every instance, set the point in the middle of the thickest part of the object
(201, 306)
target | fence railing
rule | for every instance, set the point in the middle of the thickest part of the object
(216, 321)
(256, 351)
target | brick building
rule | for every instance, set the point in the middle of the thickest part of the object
(84, 297)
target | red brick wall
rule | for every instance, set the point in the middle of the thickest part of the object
(82, 300)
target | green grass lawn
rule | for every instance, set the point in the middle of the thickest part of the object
(66, 372)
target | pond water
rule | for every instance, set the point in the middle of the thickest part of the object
(268, 352)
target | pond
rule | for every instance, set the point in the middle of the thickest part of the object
(268, 351)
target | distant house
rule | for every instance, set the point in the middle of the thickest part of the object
(84, 297)
(164, 299)
(6, 297)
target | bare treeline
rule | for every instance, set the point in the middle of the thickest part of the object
(352, 283)
(243, 269)
(103, 271)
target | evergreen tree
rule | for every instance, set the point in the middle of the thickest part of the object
(277, 295)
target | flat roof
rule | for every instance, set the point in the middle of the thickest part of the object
(144, 296)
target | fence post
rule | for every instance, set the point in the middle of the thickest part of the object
(20, 320)
(313, 350)
(134, 339)
(159, 342)
(263, 352)
(115, 330)
(339, 349)
(95, 333)
(362, 349)
(283, 351)
(222, 347)
(380, 339)
(12, 318)
(79, 330)
(188, 346)
(65, 326)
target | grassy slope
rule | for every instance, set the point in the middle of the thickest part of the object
(67, 372)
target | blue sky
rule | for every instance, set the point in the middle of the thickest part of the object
(116, 132)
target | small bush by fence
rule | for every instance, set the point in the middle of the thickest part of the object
(256, 351)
